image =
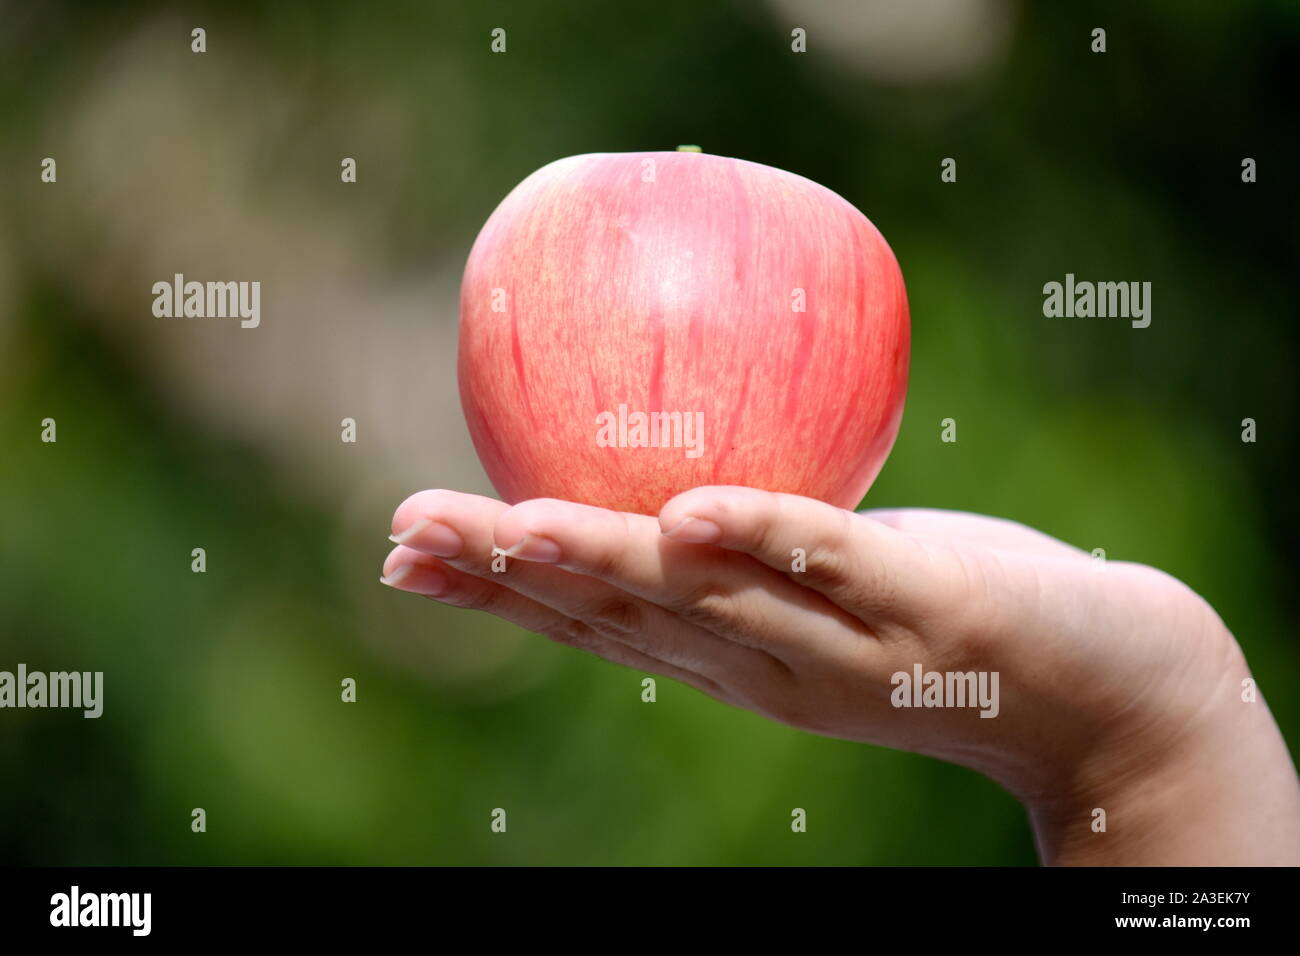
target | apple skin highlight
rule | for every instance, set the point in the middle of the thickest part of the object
(757, 302)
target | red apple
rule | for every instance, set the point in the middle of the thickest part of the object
(636, 324)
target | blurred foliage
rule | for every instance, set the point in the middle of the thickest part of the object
(222, 688)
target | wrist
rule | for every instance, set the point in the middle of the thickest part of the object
(1213, 786)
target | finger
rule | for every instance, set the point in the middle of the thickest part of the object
(435, 522)
(880, 575)
(580, 635)
(726, 593)
(458, 528)
(408, 570)
(979, 529)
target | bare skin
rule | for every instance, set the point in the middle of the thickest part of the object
(1120, 688)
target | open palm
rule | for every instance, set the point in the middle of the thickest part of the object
(1108, 675)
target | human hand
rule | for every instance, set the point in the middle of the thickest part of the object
(1118, 688)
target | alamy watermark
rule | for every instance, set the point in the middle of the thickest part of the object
(75, 908)
(56, 689)
(209, 300)
(948, 689)
(651, 430)
(1103, 300)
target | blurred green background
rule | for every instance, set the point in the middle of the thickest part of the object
(222, 689)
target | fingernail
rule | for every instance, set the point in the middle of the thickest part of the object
(394, 579)
(434, 538)
(533, 547)
(695, 531)
(410, 532)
